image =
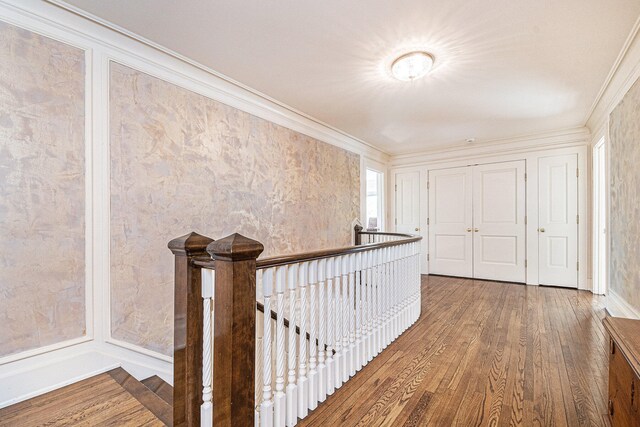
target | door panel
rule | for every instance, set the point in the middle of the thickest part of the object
(408, 202)
(558, 221)
(499, 228)
(450, 222)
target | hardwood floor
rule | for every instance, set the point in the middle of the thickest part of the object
(111, 399)
(484, 353)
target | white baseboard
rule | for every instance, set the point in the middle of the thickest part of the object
(618, 307)
(138, 361)
(33, 376)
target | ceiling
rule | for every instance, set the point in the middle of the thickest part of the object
(504, 68)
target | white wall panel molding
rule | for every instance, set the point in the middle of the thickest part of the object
(39, 25)
(103, 45)
(175, 68)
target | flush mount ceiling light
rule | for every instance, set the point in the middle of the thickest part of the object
(412, 66)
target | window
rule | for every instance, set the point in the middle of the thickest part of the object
(374, 220)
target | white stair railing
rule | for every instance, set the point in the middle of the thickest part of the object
(342, 311)
(320, 318)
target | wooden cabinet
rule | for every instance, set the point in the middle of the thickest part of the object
(624, 371)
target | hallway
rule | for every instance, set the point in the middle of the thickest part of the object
(485, 353)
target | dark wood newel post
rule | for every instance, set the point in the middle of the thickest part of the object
(357, 236)
(187, 335)
(234, 330)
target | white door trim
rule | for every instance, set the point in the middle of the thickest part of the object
(600, 195)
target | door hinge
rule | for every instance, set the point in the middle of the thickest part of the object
(577, 173)
(427, 221)
(396, 221)
(525, 263)
(427, 185)
(577, 219)
(578, 266)
(525, 177)
(525, 220)
(396, 187)
(427, 257)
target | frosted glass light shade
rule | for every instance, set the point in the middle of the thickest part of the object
(412, 66)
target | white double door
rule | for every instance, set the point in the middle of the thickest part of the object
(477, 221)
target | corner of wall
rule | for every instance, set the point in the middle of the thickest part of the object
(618, 307)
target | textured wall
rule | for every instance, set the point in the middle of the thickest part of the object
(625, 197)
(183, 162)
(42, 252)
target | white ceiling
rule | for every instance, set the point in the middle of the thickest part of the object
(504, 68)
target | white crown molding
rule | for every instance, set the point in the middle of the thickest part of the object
(558, 139)
(102, 34)
(624, 72)
(617, 306)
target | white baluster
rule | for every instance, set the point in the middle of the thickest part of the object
(280, 397)
(404, 270)
(369, 308)
(406, 288)
(258, 358)
(395, 287)
(266, 408)
(402, 300)
(383, 296)
(352, 315)
(378, 290)
(292, 388)
(394, 291)
(322, 320)
(206, 409)
(330, 324)
(418, 281)
(409, 288)
(346, 359)
(364, 289)
(387, 288)
(359, 343)
(313, 321)
(303, 383)
(337, 304)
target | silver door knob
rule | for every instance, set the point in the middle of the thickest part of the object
(476, 230)
(417, 228)
(468, 230)
(541, 230)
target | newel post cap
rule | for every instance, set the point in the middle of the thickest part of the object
(190, 244)
(358, 228)
(235, 247)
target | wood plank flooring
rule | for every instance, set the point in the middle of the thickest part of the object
(96, 401)
(484, 353)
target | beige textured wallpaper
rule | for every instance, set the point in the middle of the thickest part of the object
(42, 250)
(183, 162)
(625, 197)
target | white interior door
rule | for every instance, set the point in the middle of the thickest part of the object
(558, 221)
(451, 222)
(408, 202)
(499, 221)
